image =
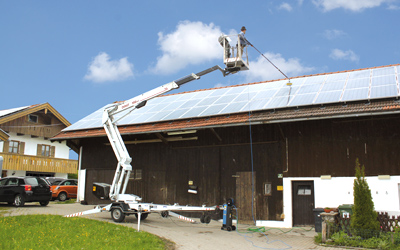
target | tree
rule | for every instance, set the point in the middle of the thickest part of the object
(364, 219)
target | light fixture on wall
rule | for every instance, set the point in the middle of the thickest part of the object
(182, 132)
(326, 177)
(384, 177)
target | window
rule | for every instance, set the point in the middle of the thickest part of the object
(3, 182)
(45, 150)
(304, 190)
(13, 147)
(33, 118)
(12, 182)
(136, 174)
(267, 189)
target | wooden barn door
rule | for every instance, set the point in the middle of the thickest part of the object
(157, 190)
(244, 196)
(303, 203)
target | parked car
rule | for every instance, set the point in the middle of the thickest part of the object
(63, 190)
(19, 190)
(54, 179)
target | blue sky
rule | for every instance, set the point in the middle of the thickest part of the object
(81, 55)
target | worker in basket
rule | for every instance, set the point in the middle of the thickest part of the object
(243, 40)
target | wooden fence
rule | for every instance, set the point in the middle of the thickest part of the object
(387, 223)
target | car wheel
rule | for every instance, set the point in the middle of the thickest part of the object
(19, 200)
(117, 214)
(44, 203)
(62, 196)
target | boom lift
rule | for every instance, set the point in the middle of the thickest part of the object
(127, 204)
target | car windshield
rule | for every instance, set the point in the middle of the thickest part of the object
(31, 181)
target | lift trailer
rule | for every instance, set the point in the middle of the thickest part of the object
(127, 204)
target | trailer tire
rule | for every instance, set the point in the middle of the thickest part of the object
(143, 216)
(117, 214)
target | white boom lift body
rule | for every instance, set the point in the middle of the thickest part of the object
(127, 204)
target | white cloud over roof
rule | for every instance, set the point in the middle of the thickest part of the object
(285, 6)
(348, 55)
(102, 69)
(262, 70)
(190, 44)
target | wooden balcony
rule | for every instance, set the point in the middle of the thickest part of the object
(38, 163)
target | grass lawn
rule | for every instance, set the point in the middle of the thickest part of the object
(57, 232)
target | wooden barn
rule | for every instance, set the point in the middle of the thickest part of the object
(280, 150)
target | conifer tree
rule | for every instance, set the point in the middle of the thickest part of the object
(364, 218)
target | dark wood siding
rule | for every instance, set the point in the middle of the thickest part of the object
(296, 149)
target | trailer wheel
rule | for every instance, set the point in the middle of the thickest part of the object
(117, 214)
(202, 218)
(207, 219)
(142, 217)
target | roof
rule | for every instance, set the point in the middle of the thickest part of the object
(3, 135)
(268, 100)
(15, 113)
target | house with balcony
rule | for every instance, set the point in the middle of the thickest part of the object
(25, 146)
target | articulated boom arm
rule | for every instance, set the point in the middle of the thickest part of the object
(124, 167)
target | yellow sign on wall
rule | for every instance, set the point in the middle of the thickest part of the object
(279, 188)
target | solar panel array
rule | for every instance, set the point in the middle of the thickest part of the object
(310, 90)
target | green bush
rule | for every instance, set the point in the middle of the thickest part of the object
(364, 217)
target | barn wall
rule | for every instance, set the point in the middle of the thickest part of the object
(211, 165)
(294, 150)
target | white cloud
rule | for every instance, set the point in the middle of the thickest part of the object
(102, 69)
(393, 7)
(285, 6)
(353, 5)
(190, 44)
(332, 34)
(348, 55)
(262, 70)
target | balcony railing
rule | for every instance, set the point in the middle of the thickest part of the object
(38, 163)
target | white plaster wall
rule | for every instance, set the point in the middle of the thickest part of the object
(62, 150)
(16, 173)
(339, 190)
(61, 175)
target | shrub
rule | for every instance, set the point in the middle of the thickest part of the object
(364, 216)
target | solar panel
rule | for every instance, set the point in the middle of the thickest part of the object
(265, 94)
(336, 77)
(384, 91)
(309, 90)
(384, 80)
(305, 89)
(383, 71)
(355, 94)
(357, 83)
(233, 107)
(176, 114)
(330, 86)
(360, 74)
(300, 100)
(328, 97)
(225, 99)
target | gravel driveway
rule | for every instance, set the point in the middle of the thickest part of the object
(187, 235)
